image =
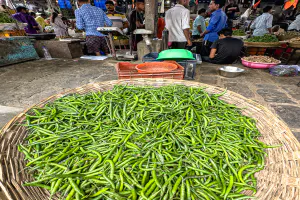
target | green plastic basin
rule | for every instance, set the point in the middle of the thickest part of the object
(175, 54)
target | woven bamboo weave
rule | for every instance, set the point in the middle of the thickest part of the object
(294, 44)
(262, 44)
(280, 179)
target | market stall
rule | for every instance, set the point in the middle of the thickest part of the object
(294, 44)
(260, 45)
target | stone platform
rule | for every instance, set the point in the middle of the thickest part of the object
(27, 83)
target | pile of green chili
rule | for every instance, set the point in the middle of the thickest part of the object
(172, 142)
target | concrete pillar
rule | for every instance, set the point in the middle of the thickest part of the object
(151, 15)
(142, 48)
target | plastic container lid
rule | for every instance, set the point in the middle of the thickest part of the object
(175, 54)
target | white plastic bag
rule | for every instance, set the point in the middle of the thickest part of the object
(246, 14)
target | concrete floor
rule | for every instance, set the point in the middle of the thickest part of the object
(25, 84)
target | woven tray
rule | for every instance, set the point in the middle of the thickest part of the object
(294, 44)
(262, 44)
(280, 180)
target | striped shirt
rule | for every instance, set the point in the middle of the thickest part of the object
(89, 18)
(117, 18)
(261, 24)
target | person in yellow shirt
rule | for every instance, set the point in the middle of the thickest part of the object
(119, 19)
(40, 19)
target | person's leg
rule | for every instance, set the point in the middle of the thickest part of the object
(181, 45)
(206, 59)
(230, 23)
(174, 45)
(92, 44)
(103, 45)
(178, 45)
(195, 37)
(205, 50)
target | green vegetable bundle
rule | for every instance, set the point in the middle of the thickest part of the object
(172, 142)
(238, 32)
(265, 38)
(5, 18)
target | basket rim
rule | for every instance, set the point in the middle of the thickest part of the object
(70, 91)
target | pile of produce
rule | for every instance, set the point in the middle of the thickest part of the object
(238, 32)
(265, 38)
(288, 35)
(172, 142)
(261, 59)
(297, 39)
(5, 18)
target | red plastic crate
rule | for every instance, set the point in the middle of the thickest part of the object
(126, 70)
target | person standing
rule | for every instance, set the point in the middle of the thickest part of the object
(40, 19)
(199, 24)
(226, 49)
(119, 19)
(160, 27)
(178, 24)
(231, 10)
(22, 16)
(216, 23)
(263, 24)
(193, 6)
(89, 18)
(295, 25)
(136, 21)
(60, 28)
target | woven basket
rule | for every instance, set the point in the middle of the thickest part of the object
(280, 180)
(262, 44)
(294, 44)
(286, 37)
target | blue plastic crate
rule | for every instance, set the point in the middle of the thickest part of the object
(150, 57)
(189, 74)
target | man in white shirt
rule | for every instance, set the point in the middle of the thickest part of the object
(178, 25)
(295, 25)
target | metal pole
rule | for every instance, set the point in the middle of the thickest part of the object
(110, 37)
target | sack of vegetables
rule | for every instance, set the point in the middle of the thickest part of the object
(262, 41)
(288, 35)
(284, 70)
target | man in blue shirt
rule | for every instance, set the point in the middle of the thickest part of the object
(89, 18)
(216, 23)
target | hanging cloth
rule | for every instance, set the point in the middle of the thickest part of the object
(256, 4)
(290, 3)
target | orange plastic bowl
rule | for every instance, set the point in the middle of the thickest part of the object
(155, 67)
